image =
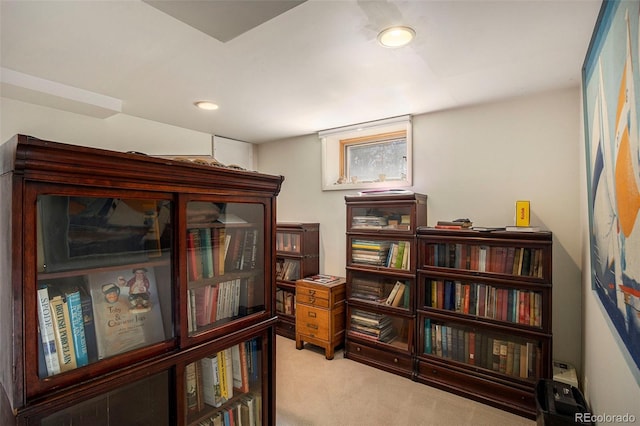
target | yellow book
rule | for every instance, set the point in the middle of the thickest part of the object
(62, 329)
(523, 213)
(223, 375)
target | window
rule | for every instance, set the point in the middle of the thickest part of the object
(370, 155)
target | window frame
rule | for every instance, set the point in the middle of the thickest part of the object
(336, 142)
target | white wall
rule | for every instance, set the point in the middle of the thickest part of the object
(120, 132)
(471, 162)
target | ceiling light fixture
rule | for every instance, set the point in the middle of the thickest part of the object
(396, 36)
(207, 105)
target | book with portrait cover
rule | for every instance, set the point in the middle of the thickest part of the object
(126, 310)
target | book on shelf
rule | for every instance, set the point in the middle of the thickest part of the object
(454, 224)
(47, 333)
(63, 333)
(400, 296)
(89, 324)
(225, 372)
(127, 312)
(392, 294)
(76, 321)
(191, 387)
(322, 278)
(240, 368)
(523, 228)
(211, 393)
(488, 228)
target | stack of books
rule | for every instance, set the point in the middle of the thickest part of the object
(371, 325)
(454, 224)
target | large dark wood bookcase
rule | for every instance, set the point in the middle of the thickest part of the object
(297, 256)
(381, 277)
(484, 314)
(78, 225)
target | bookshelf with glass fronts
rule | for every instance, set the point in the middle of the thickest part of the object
(484, 314)
(297, 256)
(139, 289)
(381, 275)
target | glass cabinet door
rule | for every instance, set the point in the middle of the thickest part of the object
(288, 242)
(368, 252)
(506, 354)
(380, 290)
(395, 217)
(513, 260)
(104, 278)
(381, 328)
(224, 262)
(483, 299)
(145, 402)
(225, 387)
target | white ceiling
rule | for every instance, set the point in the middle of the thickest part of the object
(312, 67)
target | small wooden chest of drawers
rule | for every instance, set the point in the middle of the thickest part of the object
(320, 314)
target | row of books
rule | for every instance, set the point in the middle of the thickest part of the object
(381, 253)
(84, 319)
(381, 221)
(287, 270)
(212, 251)
(381, 291)
(516, 358)
(227, 299)
(483, 300)
(225, 376)
(285, 302)
(63, 331)
(521, 261)
(286, 241)
(247, 411)
(372, 326)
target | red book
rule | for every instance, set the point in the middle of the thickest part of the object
(466, 298)
(193, 257)
(527, 309)
(201, 306)
(213, 301)
(505, 305)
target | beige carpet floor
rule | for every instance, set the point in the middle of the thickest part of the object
(313, 391)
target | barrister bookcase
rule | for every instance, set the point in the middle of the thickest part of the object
(133, 289)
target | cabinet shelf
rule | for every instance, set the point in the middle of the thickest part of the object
(101, 277)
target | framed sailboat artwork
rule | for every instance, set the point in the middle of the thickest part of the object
(611, 84)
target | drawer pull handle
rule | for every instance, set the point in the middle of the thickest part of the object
(395, 360)
(434, 371)
(314, 326)
(312, 299)
(312, 292)
(358, 349)
(312, 314)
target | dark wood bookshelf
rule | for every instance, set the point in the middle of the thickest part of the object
(297, 256)
(484, 314)
(114, 227)
(381, 278)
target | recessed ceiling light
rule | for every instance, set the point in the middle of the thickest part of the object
(396, 36)
(209, 106)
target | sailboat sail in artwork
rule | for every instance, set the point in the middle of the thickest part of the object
(627, 185)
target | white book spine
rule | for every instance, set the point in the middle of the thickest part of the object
(47, 333)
